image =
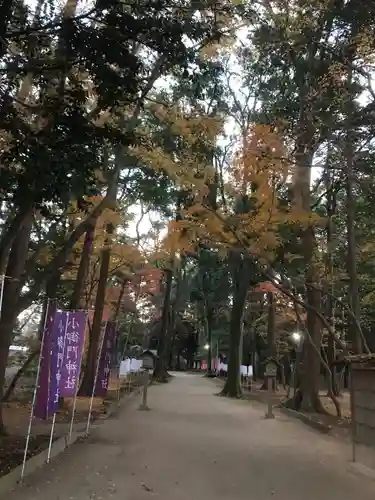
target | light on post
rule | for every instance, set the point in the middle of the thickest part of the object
(296, 336)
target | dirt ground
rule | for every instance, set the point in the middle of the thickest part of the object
(340, 427)
(17, 415)
(194, 445)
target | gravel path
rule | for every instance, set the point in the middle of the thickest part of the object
(195, 446)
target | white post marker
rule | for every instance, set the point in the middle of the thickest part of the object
(271, 372)
(269, 413)
(130, 378)
(144, 406)
(250, 377)
(35, 391)
(95, 379)
(146, 364)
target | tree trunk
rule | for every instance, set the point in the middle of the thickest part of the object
(354, 297)
(271, 336)
(8, 234)
(170, 338)
(60, 260)
(232, 386)
(331, 357)
(160, 372)
(12, 288)
(119, 300)
(84, 265)
(308, 393)
(6, 8)
(271, 326)
(94, 340)
(172, 350)
(330, 310)
(10, 389)
(307, 396)
(209, 314)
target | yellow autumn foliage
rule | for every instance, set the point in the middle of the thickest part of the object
(256, 175)
(188, 170)
(254, 179)
(215, 49)
(364, 42)
(125, 258)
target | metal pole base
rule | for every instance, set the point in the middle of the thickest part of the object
(143, 407)
(269, 416)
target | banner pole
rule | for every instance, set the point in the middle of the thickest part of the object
(77, 388)
(130, 374)
(2, 293)
(35, 388)
(118, 382)
(95, 379)
(58, 390)
(122, 357)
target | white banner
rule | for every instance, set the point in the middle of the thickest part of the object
(247, 371)
(223, 367)
(130, 365)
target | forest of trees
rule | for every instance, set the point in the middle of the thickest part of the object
(245, 126)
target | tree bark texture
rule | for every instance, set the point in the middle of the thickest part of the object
(160, 371)
(12, 288)
(271, 336)
(354, 297)
(76, 301)
(232, 386)
(95, 336)
(307, 396)
(330, 309)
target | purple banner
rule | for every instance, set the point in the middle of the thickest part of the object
(41, 402)
(57, 356)
(74, 342)
(104, 368)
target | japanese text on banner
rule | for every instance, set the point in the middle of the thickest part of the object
(57, 357)
(41, 409)
(104, 368)
(74, 342)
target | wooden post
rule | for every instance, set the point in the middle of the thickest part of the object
(271, 373)
(352, 411)
(144, 406)
(269, 413)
